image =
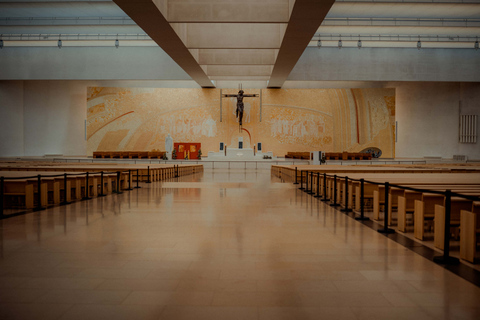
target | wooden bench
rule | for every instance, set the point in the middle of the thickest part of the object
(456, 206)
(156, 154)
(470, 232)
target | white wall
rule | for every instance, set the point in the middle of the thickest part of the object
(428, 118)
(11, 118)
(54, 118)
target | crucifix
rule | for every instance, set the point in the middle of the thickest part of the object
(239, 97)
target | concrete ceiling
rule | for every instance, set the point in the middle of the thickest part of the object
(240, 40)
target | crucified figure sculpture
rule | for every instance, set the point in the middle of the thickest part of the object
(240, 106)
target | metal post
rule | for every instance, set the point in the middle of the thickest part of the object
(311, 183)
(446, 259)
(2, 180)
(129, 179)
(87, 186)
(324, 198)
(306, 182)
(65, 190)
(39, 193)
(101, 185)
(335, 204)
(301, 181)
(318, 186)
(386, 229)
(118, 183)
(148, 172)
(345, 194)
(296, 178)
(137, 180)
(362, 200)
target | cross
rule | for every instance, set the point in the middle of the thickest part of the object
(239, 97)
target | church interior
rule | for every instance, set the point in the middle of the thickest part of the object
(225, 159)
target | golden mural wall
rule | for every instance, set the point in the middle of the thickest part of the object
(332, 120)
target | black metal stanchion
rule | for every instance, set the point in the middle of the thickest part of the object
(318, 186)
(87, 186)
(346, 209)
(2, 180)
(118, 183)
(129, 180)
(176, 172)
(446, 259)
(311, 184)
(334, 204)
(65, 190)
(306, 182)
(102, 183)
(39, 194)
(296, 178)
(148, 172)
(386, 229)
(138, 178)
(324, 198)
(301, 181)
(362, 200)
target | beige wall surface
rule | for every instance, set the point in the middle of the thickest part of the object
(335, 120)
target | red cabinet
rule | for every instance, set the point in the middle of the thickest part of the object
(183, 148)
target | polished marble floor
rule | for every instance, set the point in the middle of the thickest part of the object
(224, 244)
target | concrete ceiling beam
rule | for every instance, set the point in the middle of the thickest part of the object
(305, 19)
(148, 16)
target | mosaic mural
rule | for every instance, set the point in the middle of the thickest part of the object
(332, 120)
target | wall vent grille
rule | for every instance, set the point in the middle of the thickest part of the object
(468, 129)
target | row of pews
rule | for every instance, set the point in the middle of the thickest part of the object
(129, 154)
(331, 155)
(413, 202)
(38, 185)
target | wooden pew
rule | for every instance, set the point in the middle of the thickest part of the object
(425, 212)
(406, 205)
(19, 193)
(457, 205)
(470, 232)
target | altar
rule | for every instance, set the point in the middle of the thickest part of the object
(237, 154)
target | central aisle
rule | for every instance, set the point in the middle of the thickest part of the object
(223, 244)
